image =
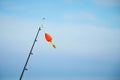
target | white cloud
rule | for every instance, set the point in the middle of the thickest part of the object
(68, 37)
(77, 38)
(107, 2)
(79, 15)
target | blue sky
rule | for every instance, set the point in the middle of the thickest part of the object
(86, 34)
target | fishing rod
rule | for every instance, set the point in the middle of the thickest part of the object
(30, 53)
(48, 38)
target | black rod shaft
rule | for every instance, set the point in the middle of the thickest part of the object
(30, 53)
